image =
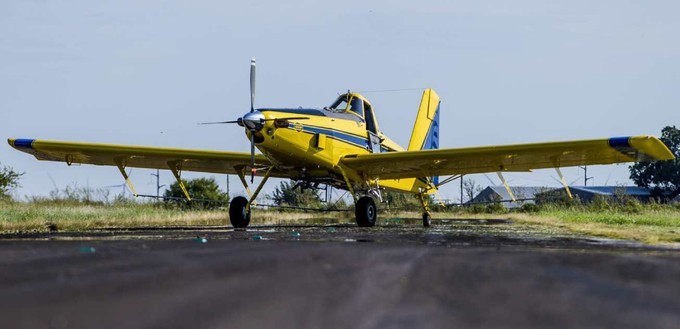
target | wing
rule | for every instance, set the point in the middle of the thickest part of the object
(520, 157)
(219, 162)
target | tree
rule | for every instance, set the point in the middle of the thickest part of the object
(285, 195)
(471, 189)
(662, 177)
(9, 179)
(204, 193)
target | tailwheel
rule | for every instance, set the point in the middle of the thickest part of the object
(427, 220)
(366, 212)
(238, 212)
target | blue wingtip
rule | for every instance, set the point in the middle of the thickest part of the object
(23, 143)
(619, 142)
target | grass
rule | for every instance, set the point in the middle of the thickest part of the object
(653, 224)
(75, 216)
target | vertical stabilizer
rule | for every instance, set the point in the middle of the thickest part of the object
(425, 135)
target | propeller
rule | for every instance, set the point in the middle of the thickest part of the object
(219, 122)
(253, 120)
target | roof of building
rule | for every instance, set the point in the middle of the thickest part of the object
(530, 192)
(520, 192)
(612, 190)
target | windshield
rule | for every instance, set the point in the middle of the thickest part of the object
(346, 103)
(357, 105)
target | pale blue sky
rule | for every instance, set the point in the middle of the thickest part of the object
(144, 72)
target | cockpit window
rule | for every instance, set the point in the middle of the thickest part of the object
(356, 105)
(340, 105)
(346, 103)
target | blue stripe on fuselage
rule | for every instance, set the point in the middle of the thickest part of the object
(355, 140)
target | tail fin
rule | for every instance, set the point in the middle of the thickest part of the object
(425, 135)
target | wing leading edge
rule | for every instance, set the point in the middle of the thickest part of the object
(218, 162)
(517, 158)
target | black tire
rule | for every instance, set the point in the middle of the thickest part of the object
(238, 214)
(366, 212)
(427, 220)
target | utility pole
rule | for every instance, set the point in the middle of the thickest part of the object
(158, 182)
(461, 190)
(229, 196)
(585, 175)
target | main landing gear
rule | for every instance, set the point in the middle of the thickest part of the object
(239, 214)
(366, 212)
(239, 207)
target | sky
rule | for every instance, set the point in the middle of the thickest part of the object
(145, 72)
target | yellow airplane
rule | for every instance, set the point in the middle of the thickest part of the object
(342, 146)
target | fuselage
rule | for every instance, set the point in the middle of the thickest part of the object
(310, 149)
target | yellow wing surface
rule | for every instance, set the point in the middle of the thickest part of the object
(517, 158)
(219, 162)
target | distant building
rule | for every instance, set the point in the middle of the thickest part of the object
(587, 193)
(523, 194)
(528, 194)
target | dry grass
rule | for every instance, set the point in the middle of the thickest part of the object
(652, 224)
(39, 216)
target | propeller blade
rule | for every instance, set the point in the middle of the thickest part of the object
(217, 123)
(252, 85)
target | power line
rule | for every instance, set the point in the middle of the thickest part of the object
(388, 90)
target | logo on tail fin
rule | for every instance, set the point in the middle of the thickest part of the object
(432, 137)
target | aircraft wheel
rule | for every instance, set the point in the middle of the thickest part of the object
(366, 212)
(427, 220)
(238, 214)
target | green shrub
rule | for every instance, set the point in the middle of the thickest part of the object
(495, 208)
(530, 208)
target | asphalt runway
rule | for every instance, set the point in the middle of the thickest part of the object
(458, 274)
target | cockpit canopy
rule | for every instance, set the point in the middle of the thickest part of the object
(355, 103)
(348, 102)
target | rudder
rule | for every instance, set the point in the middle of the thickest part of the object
(425, 134)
